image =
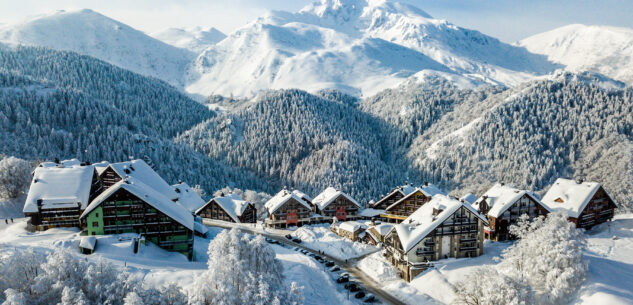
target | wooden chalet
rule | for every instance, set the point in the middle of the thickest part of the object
(334, 203)
(586, 203)
(305, 198)
(441, 228)
(231, 208)
(352, 230)
(395, 195)
(115, 172)
(59, 193)
(131, 206)
(403, 208)
(287, 209)
(503, 205)
(377, 232)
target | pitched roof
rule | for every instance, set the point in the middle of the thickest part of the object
(328, 196)
(187, 197)
(574, 196)
(422, 222)
(351, 226)
(469, 198)
(404, 190)
(88, 242)
(282, 197)
(232, 204)
(429, 190)
(59, 186)
(383, 228)
(148, 195)
(500, 197)
(302, 195)
(140, 170)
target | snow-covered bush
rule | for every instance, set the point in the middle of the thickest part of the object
(486, 286)
(62, 278)
(15, 176)
(242, 271)
(546, 263)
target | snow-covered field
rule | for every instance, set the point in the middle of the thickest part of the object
(608, 282)
(158, 267)
(319, 237)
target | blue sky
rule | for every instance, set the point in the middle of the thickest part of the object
(508, 20)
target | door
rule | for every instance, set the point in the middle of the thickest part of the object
(341, 213)
(446, 247)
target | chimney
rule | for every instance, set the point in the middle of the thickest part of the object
(502, 184)
(426, 183)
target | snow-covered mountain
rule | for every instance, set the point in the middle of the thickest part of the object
(360, 46)
(90, 33)
(195, 39)
(603, 49)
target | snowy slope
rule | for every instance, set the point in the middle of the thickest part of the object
(90, 33)
(359, 46)
(195, 39)
(603, 49)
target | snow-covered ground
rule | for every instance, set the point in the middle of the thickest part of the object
(608, 282)
(319, 237)
(158, 267)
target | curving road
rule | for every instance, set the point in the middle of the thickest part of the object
(371, 285)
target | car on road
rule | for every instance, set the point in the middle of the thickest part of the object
(344, 278)
(335, 268)
(296, 249)
(317, 257)
(311, 254)
(288, 236)
(360, 294)
(351, 285)
(370, 298)
(297, 240)
(329, 264)
(355, 288)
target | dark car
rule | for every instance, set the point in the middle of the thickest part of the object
(351, 285)
(354, 288)
(317, 257)
(329, 264)
(342, 279)
(360, 294)
(288, 236)
(297, 240)
(335, 268)
(370, 299)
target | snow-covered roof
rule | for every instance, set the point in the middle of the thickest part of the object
(351, 226)
(422, 222)
(140, 170)
(371, 212)
(328, 196)
(500, 197)
(232, 204)
(200, 228)
(88, 242)
(469, 198)
(403, 189)
(282, 197)
(383, 228)
(187, 197)
(148, 195)
(59, 187)
(101, 166)
(302, 195)
(429, 190)
(574, 196)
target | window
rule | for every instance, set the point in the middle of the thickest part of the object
(95, 224)
(96, 214)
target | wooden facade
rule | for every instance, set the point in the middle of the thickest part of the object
(404, 207)
(214, 210)
(123, 212)
(388, 200)
(290, 213)
(600, 209)
(460, 235)
(342, 208)
(498, 228)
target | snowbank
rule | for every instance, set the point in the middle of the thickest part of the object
(319, 237)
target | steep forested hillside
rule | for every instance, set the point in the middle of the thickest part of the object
(295, 138)
(60, 104)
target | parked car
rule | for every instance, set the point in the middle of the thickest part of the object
(317, 257)
(360, 294)
(335, 268)
(329, 263)
(355, 288)
(311, 254)
(351, 285)
(370, 298)
(288, 236)
(296, 249)
(342, 279)
(297, 240)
